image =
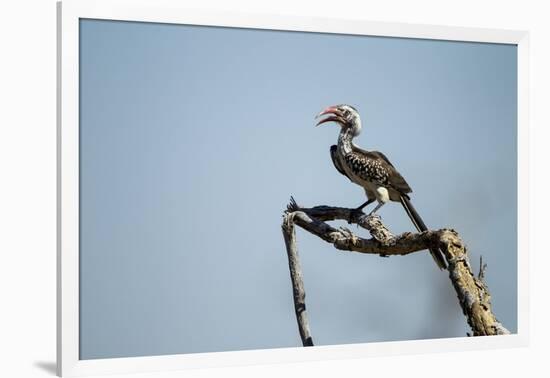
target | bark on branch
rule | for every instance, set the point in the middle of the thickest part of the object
(472, 292)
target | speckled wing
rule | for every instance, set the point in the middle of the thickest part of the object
(336, 161)
(375, 167)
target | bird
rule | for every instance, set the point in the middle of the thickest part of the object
(371, 170)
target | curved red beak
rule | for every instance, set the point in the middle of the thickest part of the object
(336, 117)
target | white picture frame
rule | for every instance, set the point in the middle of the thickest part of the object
(69, 13)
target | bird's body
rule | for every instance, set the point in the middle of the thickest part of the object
(371, 170)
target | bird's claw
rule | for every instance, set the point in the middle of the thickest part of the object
(355, 214)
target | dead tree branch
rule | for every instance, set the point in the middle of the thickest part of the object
(298, 290)
(473, 294)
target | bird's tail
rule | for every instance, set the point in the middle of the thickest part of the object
(421, 226)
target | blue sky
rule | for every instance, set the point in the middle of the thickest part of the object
(192, 140)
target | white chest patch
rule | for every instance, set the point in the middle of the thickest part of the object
(382, 194)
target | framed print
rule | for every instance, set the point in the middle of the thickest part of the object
(198, 203)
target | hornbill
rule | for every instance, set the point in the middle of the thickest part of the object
(371, 170)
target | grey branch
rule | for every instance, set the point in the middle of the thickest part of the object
(298, 291)
(473, 293)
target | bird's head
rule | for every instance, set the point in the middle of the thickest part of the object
(344, 115)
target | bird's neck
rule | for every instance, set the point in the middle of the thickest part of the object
(344, 141)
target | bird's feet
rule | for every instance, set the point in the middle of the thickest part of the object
(355, 214)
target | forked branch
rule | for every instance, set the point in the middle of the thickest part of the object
(472, 292)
